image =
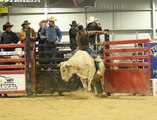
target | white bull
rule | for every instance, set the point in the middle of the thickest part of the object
(82, 64)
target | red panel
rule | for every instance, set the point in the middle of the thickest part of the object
(128, 81)
(131, 80)
(8, 67)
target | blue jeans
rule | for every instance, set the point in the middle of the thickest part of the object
(93, 55)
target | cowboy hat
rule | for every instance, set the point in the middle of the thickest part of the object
(25, 23)
(42, 21)
(91, 19)
(51, 19)
(74, 23)
(6, 25)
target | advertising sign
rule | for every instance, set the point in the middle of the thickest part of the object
(3, 9)
(153, 59)
(12, 82)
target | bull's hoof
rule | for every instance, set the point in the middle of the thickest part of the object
(60, 94)
(104, 95)
(108, 93)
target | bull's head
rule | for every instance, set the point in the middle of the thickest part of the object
(66, 70)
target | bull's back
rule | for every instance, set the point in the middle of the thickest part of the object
(82, 58)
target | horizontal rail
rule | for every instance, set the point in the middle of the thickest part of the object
(126, 57)
(13, 72)
(12, 91)
(51, 59)
(51, 52)
(58, 45)
(12, 66)
(127, 64)
(127, 42)
(126, 50)
(12, 45)
(13, 60)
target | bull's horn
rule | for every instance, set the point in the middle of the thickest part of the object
(68, 65)
(59, 65)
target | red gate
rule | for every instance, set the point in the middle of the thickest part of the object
(131, 74)
(12, 69)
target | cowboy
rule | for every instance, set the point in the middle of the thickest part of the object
(52, 35)
(8, 37)
(82, 40)
(92, 25)
(22, 33)
(72, 35)
(41, 38)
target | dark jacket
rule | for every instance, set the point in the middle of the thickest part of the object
(89, 33)
(72, 36)
(39, 38)
(93, 27)
(9, 38)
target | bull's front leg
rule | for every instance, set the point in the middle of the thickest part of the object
(89, 84)
(84, 83)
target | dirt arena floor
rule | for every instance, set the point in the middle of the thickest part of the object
(78, 106)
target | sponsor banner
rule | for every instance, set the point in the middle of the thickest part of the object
(12, 82)
(51, 3)
(20, 1)
(18, 53)
(4, 9)
(153, 59)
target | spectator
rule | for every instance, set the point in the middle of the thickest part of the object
(82, 40)
(53, 36)
(41, 38)
(22, 33)
(8, 37)
(72, 35)
(92, 25)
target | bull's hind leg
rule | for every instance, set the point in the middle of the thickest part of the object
(103, 85)
(95, 87)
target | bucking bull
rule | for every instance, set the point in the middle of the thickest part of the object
(82, 64)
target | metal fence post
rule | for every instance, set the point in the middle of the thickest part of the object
(107, 39)
(28, 65)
